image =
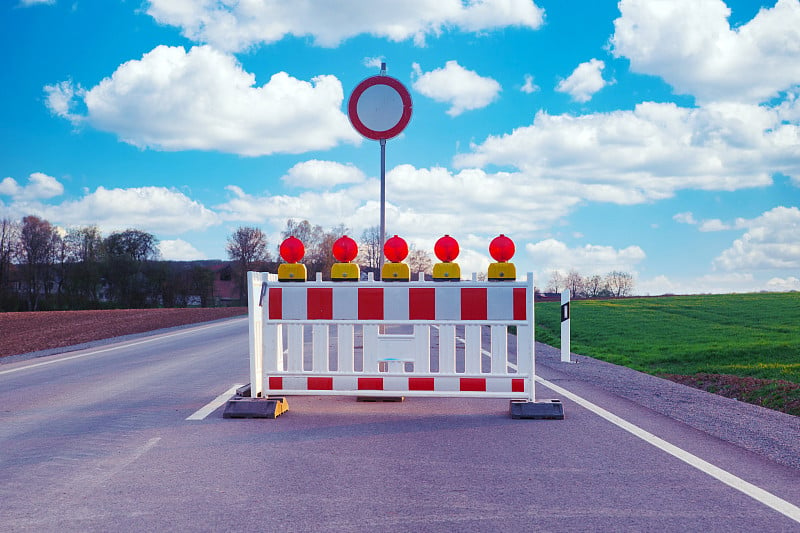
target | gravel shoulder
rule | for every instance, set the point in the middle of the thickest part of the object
(764, 431)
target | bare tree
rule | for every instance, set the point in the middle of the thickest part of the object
(419, 261)
(556, 283)
(84, 248)
(575, 283)
(619, 283)
(370, 248)
(593, 285)
(37, 246)
(9, 244)
(246, 247)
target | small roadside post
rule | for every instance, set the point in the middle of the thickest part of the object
(565, 334)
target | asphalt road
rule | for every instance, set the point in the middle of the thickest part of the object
(102, 439)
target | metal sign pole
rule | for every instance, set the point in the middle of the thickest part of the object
(379, 109)
(383, 206)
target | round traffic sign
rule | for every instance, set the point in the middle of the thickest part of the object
(379, 107)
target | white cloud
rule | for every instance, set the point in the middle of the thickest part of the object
(685, 218)
(155, 209)
(725, 283)
(315, 174)
(28, 3)
(373, 62)
(585, 81)
(691, 45)
(40, 186)
(551, 254)
(463, 89)
(772, 241)
(234, 25)
(529, 87)
(179, 250)
(648, 153)
(423, 203)
(784, 284)
(203, 100)
(706, 225)
(713, 224)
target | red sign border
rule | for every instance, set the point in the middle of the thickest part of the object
(395, 130)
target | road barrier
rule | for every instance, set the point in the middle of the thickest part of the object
(390, 339)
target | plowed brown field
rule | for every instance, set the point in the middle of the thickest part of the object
(30, 332)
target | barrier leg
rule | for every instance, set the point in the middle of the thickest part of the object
(255, 317)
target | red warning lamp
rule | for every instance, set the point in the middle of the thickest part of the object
(446, 249)
(395, 249)
(501, 248)
(345, 249)
(292, 250)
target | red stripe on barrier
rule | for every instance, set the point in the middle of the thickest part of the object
(370, 304)
(422, 304)
(473, 384)
(520, 304)
(275, 303)
(473, 304)
(421, 384)
(275, 383)
(517, 385)
(370, 383)
(320, 303)
(320, 383)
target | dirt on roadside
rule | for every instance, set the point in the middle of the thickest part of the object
(774, 394)
(34, 331)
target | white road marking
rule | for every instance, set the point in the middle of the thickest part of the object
(487, 353)
(770, 500)
(112, 348)
(214, 404)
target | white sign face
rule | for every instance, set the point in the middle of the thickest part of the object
(380, 107)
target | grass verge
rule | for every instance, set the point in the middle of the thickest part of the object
(750, 339)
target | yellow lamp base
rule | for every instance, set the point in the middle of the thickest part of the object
(502, 272)
(395, 272)
(446, 272)
(345, 272)
(291, 272)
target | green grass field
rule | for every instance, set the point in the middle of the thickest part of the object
(749, 335)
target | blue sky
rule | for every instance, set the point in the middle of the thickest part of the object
(659, 138)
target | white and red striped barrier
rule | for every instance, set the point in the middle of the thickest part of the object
(391, 338)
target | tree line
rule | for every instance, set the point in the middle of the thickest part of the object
(615, 284)
(249, 250)
(45, 267)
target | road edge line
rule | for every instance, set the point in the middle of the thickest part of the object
(784, 507)
(214, 404)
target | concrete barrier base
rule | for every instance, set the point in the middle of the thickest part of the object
(541, 410)
(246, 407)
